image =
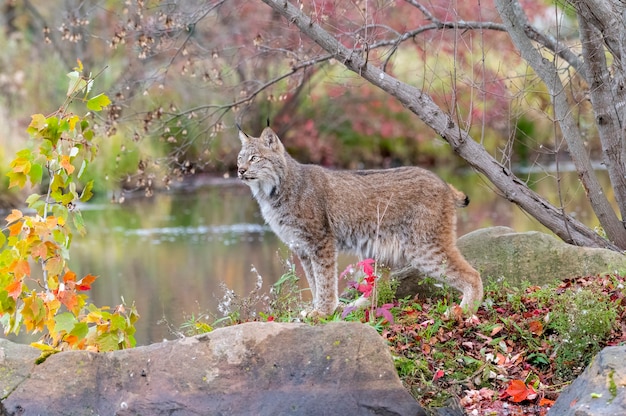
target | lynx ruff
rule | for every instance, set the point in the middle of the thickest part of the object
(404, 218)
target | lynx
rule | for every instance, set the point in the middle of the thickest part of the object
(403, 218)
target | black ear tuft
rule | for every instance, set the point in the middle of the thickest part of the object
(268, 122)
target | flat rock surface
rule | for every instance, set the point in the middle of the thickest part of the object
(250, 369)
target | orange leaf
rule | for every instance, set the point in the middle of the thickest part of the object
(69, 277)
(14, 216)
(15, 228)
(546, 402)
(14, 288)
(85, 282)
(68, 298)
(519, 391)
(39, 250)
(21, 268)
(535, 327)
(496, 329)
(66, 164)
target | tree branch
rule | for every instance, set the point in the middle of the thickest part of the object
(425, 108)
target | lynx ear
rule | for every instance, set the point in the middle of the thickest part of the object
(271, 140)
(242, 136)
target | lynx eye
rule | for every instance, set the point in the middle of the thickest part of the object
(253, 158)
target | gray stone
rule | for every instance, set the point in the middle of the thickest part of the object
(250, 369)
(536, 257)
(599, 391)
(16, 363)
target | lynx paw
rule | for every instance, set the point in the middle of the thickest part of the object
(317, 314)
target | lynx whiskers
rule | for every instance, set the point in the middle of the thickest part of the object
(404, 218)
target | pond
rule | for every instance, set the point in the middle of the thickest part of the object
(170, 253)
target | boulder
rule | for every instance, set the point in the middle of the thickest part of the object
(16, 363)
(250, 369)
(533, 256)
(600, 390)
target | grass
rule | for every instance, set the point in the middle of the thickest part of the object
(543, 336)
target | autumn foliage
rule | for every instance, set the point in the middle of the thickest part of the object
(38, 291)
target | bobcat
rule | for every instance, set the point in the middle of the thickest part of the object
(404, 218)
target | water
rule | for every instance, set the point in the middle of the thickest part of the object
(168, 254)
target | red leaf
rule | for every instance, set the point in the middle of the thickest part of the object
(366, 266)
(519, 391)
(85, 282)
(438, 375)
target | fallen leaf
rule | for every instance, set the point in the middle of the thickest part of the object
(535, 327)
(496, 329)
(519, 391)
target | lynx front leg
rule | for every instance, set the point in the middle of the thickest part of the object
(320, 267)
(310, 276)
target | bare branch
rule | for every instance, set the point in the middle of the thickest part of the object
(426, 109)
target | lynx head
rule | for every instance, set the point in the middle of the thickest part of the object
(261, 162)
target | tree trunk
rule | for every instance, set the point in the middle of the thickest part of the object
(607, 93)
(421, 104)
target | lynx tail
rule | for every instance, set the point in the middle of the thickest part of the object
(460, 199)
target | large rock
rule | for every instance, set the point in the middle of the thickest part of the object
(538, 258)
(599, 391)
(533, 256)
(250, 369)
(16, 363)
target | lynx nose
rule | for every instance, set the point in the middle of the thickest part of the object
(241, 171)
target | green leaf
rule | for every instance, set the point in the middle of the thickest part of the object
(58, 182)
(79, 223)
(65, 322)
(3, 239)
(83, 166)
(98, 102)
(108, 342)
(53, 131)
(32, 199)
(87, 192)
(35, 174)
(81, 329)
(118, 322)
(88, 135)
(45, 148)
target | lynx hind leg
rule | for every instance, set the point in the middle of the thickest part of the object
(463, 277)
(449, 266)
